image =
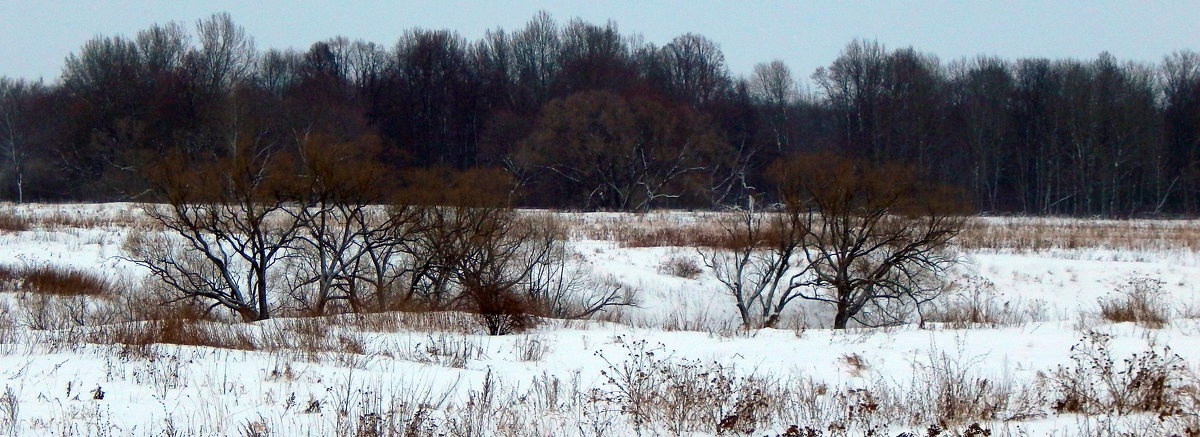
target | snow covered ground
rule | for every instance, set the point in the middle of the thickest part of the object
(675, 365)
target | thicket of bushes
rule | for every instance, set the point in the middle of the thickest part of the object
(316, 231)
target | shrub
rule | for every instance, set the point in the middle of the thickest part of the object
(10, 277)
(953, 391)
(1139, 300)
(974, 302)
(1151, 381)
(500, 311)
(54, 280)
(651, 386)
(681, 266)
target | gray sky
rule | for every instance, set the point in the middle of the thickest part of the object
(36, 35)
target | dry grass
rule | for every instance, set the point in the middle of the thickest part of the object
(175, 331)
(306, 338)
(661, 229)
(701, 229)
(1029, 234)
(10, 411)
(681, 235)
(531, 348)
(64, 281)
(442, 349)
(1026, 234)
(8, 324)
(397, 321)
(956, 390)
(55, 280)
(10, 277)
(10, 222)
(17, 218)
(854, 363)
(63, 219)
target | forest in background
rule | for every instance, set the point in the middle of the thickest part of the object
(581, 116)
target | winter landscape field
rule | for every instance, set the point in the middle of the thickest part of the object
(581, 218)
(1048, 326)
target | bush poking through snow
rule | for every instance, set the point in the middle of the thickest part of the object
(501, 312)
(681, 266)
(1140, 300)
(1152, 381)
(855, 364)
(974, 302)
(651, 386)
(954, 391)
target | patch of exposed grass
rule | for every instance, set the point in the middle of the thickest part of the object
(63, 281)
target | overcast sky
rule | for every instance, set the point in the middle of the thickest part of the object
(36, 35)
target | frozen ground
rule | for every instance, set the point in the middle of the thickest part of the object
(430, 374)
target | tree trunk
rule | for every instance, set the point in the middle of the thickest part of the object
(264, 310)
(840, 321)
(842, 318)
(745, 313)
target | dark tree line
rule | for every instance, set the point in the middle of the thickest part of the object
(583, 116)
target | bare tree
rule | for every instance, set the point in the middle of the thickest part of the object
(275, 70)
(854, 87)
(226, 229)
(226, 54)
(339, 194)
(773, 87)
(366, 63)
(593, 57)
(756, 265)
(1180, 79)
(472, 251)
(13, 94)
(874, 239)
(627, 154)
(695, 68)
(536, 51)
(163, 47)
(979, 87)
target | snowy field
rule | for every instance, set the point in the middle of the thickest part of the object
(1010, 351)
